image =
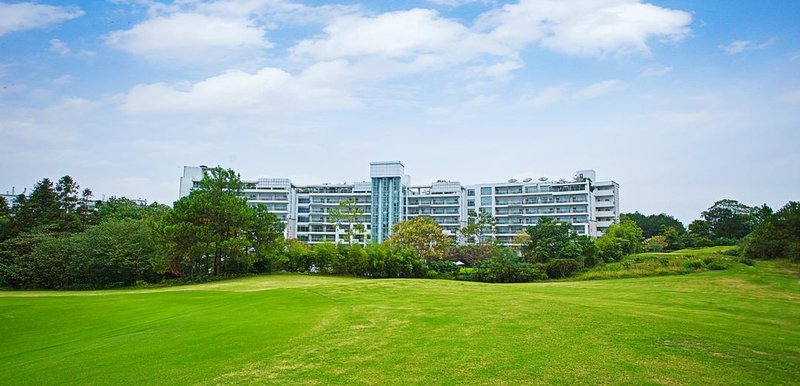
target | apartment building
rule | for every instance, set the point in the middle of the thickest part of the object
(590, 206)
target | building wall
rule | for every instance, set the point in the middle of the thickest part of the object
(388, 199)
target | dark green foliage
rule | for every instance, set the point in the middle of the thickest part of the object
(700, 234)
(550, 240)
(213, 231)
(299, 256)
(561, 268)
(385, 260)
(471, 255)
(729, 219)
(654, 224)
(777, 237)
(113, 253)
(676, 239)
(506, 267)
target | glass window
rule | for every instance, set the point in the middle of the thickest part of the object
(486, 201)
(470, 192)
(470, 202)
(486, 190)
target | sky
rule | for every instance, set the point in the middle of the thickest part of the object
(682, 103)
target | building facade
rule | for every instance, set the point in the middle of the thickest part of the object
(312, 213)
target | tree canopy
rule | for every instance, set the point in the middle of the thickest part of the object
(422, 235)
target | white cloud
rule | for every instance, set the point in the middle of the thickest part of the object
(739, 46)
(455, 3)
(655, 71)
(568, 93)
(267, 91)
(417, 40)
(398, 35)
(587, 28)
(63, 80)
(22, 16)
(59, 47)
(192, 38)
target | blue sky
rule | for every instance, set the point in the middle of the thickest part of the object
(681, 102)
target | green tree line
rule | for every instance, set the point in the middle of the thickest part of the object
(59, 237)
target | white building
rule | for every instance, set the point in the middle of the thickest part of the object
(589, 205)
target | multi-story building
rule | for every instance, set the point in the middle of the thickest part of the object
(590, 206)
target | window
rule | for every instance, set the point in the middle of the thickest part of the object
(486, 201)
(470, 192)
(470, 202)
(486, 191)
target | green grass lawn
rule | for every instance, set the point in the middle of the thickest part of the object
(738, 326)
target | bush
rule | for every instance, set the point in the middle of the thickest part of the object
(655, 244)
(444, 269)
(694, 264)
(725, 241)
(507, 268)
(561, 268)
(747, 261)
(471, 255)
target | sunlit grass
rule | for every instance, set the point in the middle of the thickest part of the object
(738, 326)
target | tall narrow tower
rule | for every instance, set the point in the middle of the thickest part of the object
(388, 194)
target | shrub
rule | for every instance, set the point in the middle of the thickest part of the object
(505, 267)
(694, 264)
(747, 261)
(655, 244)
(560, 268)
(471, 255)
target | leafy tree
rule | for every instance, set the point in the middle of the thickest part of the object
(655, 243)
(325, 254)
(41, 208)
(505, 267)
(619, 240)
(777, 236)
(700, 234)
(655, 224)
(479, 225)
(67, 191)
(729, 219)
(299, 256)
(674, 238)
(266, 240)
(5, 218)
(553, 240)
(211, 231)
(422, 235)
(349, 217)
(760, 214)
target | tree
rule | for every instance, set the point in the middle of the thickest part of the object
(67, 190)
(729, 219)
(700, 234)
(212, 222)
(266, 239)
(675, 239)
(655, 224)
(623, 238)
(478, 226)
(349, 217)
(549, 240)
(777, 236)
(41, 208)
(422, 235)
